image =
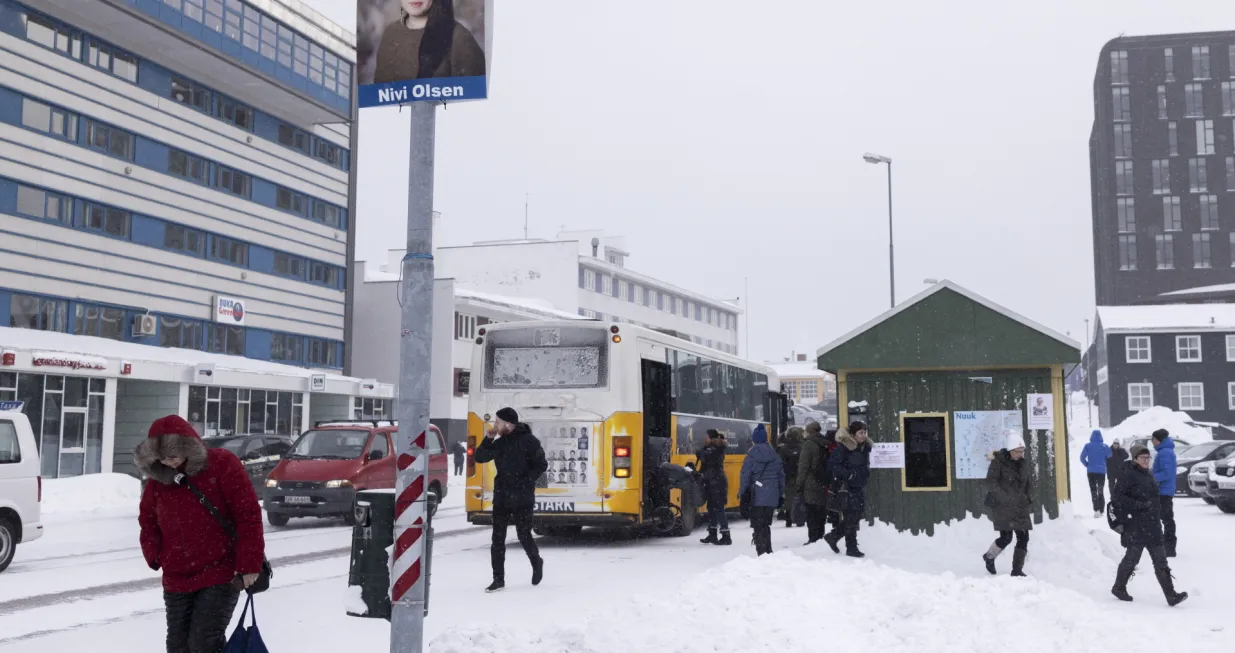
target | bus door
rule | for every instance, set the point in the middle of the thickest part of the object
(776, 407)
(657, 380)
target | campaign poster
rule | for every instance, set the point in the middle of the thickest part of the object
(1041, 409)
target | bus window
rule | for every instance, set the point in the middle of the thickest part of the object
(558, 358)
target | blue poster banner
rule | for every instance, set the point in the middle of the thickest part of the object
(448, 89)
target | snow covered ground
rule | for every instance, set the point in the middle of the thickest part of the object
(84, 587)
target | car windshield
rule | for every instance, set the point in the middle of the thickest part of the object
(329, 444)
(234, 445)
(1199, 450)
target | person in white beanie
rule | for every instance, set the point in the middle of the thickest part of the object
(1008, 502)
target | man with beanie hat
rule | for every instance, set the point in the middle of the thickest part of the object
(1136, 501)
(763, 475)
(204, 567)
(520, 462)
(1093, 457)
(1164, 467)
(1009, 501)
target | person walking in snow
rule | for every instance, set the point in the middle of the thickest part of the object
(1094, 456)
(1009, 500)
(1138, 507)
(790, 451)
(710, 462)
(1164, 469)
(204, 567)
(459, 452)
(812, 481)
(520, 461)
(851, 467)
(1115, 465)
(763, 475)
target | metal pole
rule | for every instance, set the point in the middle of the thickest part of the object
(415, 348)
(891, 252)
(1088, 412)
(747, 296)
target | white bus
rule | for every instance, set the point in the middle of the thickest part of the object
(618, 409)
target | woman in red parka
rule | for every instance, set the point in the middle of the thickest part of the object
(204, 569)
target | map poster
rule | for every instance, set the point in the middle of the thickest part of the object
(1041, 410)
(978, 433)
(887, 455)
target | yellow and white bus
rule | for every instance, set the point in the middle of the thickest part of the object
(619, 410)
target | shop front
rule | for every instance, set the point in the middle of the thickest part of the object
(67, 413)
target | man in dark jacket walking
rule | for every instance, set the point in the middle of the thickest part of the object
(812, 481)
(459, 452)
(851, 468)
(763, 475)
(1138, 507)
(711, 464)
(1164, 470)
(1115, 466)
(520, 462)
(1009, 501)
(790, 452)
(1094, 457)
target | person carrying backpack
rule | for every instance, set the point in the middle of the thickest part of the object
(790, 451)
(812, 481)
(763, 476)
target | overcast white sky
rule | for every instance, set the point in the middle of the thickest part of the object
(724, 139)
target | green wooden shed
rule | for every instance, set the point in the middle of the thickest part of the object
(941, 380)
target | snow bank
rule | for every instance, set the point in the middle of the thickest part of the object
(92, 493)
(353, 601)
(1146, 422)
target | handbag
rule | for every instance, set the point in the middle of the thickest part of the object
(246, 639)
(263, 577)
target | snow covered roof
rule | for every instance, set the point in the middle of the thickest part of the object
(1167, 317)
(974, 297)
(1201, 290)
(537, 307)
(797, 370)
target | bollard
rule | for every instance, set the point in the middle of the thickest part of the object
(368, 580)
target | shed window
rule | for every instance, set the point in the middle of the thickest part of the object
(928, 466)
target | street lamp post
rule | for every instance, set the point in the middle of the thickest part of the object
(877, 159)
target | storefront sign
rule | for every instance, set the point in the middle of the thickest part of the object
(70, 361)
(463, 382)
(229, 310)
(887, 455)
(317, 383)
(126, 368)
(11, 406)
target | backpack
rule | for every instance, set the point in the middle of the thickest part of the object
(791, 459)
(1113, 519)
(823, 475)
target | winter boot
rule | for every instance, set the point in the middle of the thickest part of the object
(711, 538)
(724, 540)
(833, 540)
(1018, 561)
(989, 558)
(538, 571)
(851, 545)
(496, 586)
(1122, 576)
(1165, 579)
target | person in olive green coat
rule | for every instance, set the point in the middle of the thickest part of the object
(811, 481)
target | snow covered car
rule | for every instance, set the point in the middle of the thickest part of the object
(1222, 485)
(21, 486)
(1198, 453)
(803, 416)
(1198, 480)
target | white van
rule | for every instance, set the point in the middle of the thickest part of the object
(21, 486)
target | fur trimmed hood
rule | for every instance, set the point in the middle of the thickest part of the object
(170, 437)
(848, 441)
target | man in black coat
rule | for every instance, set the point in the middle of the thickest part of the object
(711, 464)
(851, 468)
(1115, 466)
(459, 452)
(1137, 505)
(520, 462)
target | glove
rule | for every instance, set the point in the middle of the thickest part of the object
(780, 504)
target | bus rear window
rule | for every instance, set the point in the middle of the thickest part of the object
(551, 358)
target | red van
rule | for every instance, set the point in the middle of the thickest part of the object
(320, 474)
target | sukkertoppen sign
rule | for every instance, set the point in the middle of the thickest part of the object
(422, 50)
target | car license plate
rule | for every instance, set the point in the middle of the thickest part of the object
(297, 499)
(1227, 483)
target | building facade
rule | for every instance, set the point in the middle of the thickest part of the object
(1162, 165)
(806, 384)
(176, 174)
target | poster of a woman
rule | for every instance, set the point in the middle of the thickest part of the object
(404, 40)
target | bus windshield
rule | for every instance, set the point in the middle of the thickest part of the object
(553, 358)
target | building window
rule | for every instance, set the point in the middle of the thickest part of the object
(1172, 137)
(1137, 349)
(37, 313)
(1119, 67)
(45, 33)
(1122, 103)
(225, 339)
(328, 152)
(623, 287)
(1230, 173)
(1161, 176)
(181, 239)
(1209, 212)
(1200, 62)
(294, 138)
(49, 120)
(1123, 178)
(1194, 101)
(113, 222)
(1228, 98)
(235, 113)
(327, 214)
(1162, 102)
(1166, 251)
(1232, 246)
(615, 287)
(1140, 396)
(326, 275)
(1198, 176)
(286, 348)
(1187, 349)
(234, 182)
(465, 326)
(589, 280)
(38, 203)
(1230, 349)
(1200, 251)
(229, 251)
(1230, 391)
(322, 353)
(291, 201)
(1192, 396)
(288, 265)
(1126, 214)
(1127, 252)
(187, 166)
(1205, 137)
(180, 333)
(1169, 56)
(1172, 215)
(660, 300)
(638, 294)
(114, 141)
(120, 64)
(606, 284)
(191, 95)
(1123, 139)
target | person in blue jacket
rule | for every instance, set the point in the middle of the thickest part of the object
(763, 475)
(1094, 456)
(1164, 474)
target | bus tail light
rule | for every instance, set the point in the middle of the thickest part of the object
(471, 457)
(621, 456)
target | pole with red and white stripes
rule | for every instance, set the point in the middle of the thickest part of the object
(407, 570)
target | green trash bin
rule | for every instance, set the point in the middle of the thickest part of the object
(368, 580)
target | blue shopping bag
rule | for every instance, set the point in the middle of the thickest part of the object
(246, 639)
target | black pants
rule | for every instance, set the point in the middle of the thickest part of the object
(1097, 482)
(1132, 557)
(1168, 523)
(522, 520)
(761, 521)
(458, 468)
(1005, 538)
(197, 621)
(816, 521)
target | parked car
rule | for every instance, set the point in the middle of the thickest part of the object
(259, 453)
(803, 415)
(1148, 442)
(21, 486)
(1222, 485)
(320, 475)
(1198, 453)
(1198, 480)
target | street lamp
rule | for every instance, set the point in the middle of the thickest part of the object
(877, 159)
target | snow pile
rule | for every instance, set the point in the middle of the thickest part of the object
(844, 607)
(353, 601)
(1144, 423)
(92, 493)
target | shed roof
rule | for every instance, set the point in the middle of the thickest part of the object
(947, 326)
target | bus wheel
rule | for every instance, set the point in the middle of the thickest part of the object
(687, 515)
